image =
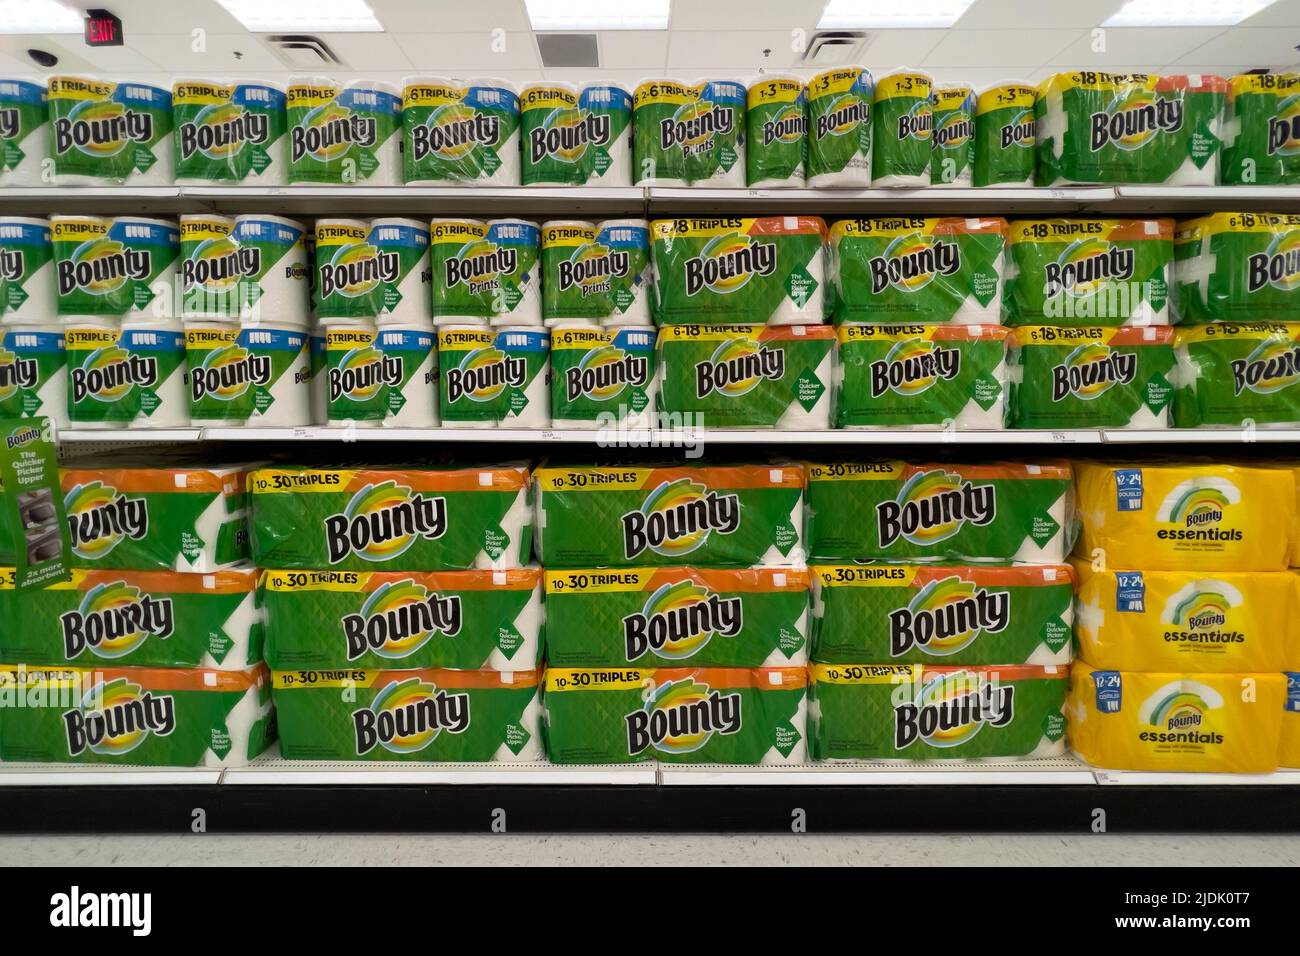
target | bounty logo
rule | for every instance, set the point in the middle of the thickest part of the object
(362, 373)
(1200, 507)
(1284, 128)
(846, 114)
(946, 617)
(728, 262)
(12, 264)
(329, 131)
(917, 123)
(115, 717)
(1180, 709)
(1135, 121)
(693, 127)
(399, 619)
(407, 715)
(114, 619)
(1085, 266)
(679, 717)
(678, 620)
(787, 127)
(101, 128)
(1279, 267)
(1203, 610)
(227, 373)
(932, 506)
(604, 373)
(956, 131)
(591, 267)
(1271, 367)
(381, 521)
(566, 134)
(912, 262)
(218, 265)
(101, 267)
(950, 709)
(221, 131)
(10, 124)
(736, 368)
(1091, 370)
(480, 264)
(99, 519)
(677, 518)
(913, 366)
(484, 375)
(453, 131)
(15, 374)
(357, 269)
(109, 374)
(1019, 132)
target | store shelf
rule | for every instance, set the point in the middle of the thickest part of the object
(1050, 771)
(1200, 435)
(1186, 199)
(1141, 778)
(75, 200)
(90, 775)
(132, 435)
(426, 200)
(860, 202)
(272, 769)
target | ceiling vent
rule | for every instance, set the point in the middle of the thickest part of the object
(574, 50)
(302, 50)
(831, 47)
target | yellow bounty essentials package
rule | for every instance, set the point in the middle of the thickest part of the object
(1193, 516)
(1195, 723)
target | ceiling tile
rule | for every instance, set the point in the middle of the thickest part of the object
(1283, 13)
(887, 50)
(445, 16)
(1245, 48)
(1011, 48)
(141, 17)
(1028, 14)
(742, 50)
(440, 53)
(629, 78)
(720, 15)
(1149, 45)
(634, 49)
(116, 62)
(979, 78)
(367, 51)
(175, 51)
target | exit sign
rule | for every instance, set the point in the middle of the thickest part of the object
(103, 29)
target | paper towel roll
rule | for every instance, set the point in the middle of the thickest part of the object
(952, 156)
(536, 411)
(456, 344)
(411, 368)
(285, 349)
(719, 96)
(27, 280)
(34, 372)
(776, 123)
(654, 103)
(903, 129)
(268, 161)
(609, 163)
(517, 297)
(279, 292)
(229, 133)
(87, 336)
(155, 162)
(344, 133)
(501, 95)
(630, 293)
(384, 101)
(602, 373)
(357, 394)
(348, 273)
(840, 103)
(90, 274)
(212, 268)
(572, 264)
(25, 134)
(461, 261)
(152, 251)
(162, 342)
(404, 244)
(554, 135)
(1004, 134)
(1201, 171)
(137, 151)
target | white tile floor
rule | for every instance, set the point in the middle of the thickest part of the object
(522, 850)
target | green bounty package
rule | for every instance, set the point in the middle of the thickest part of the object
(904, 128)
(952, 159)
(1091, 377)
(652, 617)
(137, 618)
(729, 516)
(684, 134)
(571, 135)
(1097, 127)
(124, 375)
(484, 270)
(1089, 272)
(142, 716)
(230, 132)
(777, 141)
(24, 132)
(427, 714)
(1231, 374)
(677, 715)
(344, 132)
(492, 378)
(942, 614)
(916, 376)
(903, 270)
(26, 269)
(840, 127)
(469, 620)
(390, 519)
(919, 712)
(1237, 267)
(739, 271)
(1004, 135)
(1261, 130)
(896, 511)
(113, 267)
(103, 132)
(602, 376)
(171, 515)
(256, 374)
(747, 376)
(34, 372)
(599, 272)
(460, 133)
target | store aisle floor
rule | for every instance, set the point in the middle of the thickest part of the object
(649, 850)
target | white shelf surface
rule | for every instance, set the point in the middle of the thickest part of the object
(1056, 771)
(83, 435)
(271, 769)
(433, 200)
(1147, 778)
(991, 200)
(1200, 435)
(92, 775)
(1183, 199)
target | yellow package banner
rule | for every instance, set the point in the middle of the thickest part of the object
(1174, 722)
(1189, 621)
(1197, 517)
